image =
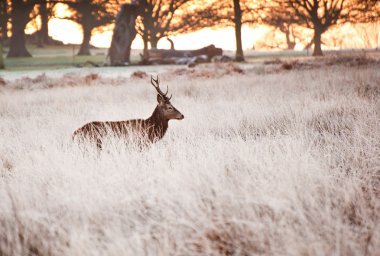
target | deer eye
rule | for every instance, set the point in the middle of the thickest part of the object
(170, 108)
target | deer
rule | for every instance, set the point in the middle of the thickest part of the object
(151, 129)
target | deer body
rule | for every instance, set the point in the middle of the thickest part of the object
(150, 130)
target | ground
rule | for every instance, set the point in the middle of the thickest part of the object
(274, 158)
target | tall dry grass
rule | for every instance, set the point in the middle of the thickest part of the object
(274, 164)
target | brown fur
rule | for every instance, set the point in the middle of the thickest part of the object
(149, 130)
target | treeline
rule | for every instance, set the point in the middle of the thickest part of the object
(162, 18)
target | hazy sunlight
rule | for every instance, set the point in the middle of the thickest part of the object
(70, 32)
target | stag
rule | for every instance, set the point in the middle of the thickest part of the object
(150, 130)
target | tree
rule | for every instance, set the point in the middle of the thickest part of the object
(45, 10)
(123, 34)
(3, 29)
(223, 13)
(320, 15)
(162, 18)
(369, 34)
(238, 13)
(158, 19)
(20, 11)
(282, 20)
(191, 17)
(4, 20)
(90, 14)
(1, 56)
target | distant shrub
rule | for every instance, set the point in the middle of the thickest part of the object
(139, 74)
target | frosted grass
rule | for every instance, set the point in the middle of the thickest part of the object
(278, 164)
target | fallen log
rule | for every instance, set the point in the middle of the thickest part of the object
(187, 57)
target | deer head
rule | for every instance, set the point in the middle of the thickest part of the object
(167, 110)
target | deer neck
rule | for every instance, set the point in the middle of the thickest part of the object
(158, 122)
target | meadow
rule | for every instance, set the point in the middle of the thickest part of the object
(271, 159)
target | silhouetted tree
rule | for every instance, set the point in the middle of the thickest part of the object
(222, 13)
(238, 13)
(170, 17)
(369, 34)
(90, 14)
(123, 34)
(192, 16)
(320, 15)
(3, 29)
(282, 20)
(1, 56)
(20, 11)
(161, 18)
(45, 10)
(4, 20)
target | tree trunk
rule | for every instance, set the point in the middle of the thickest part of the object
(317, 43)
(20, 17)
(85, 46)
(290, 44)
(154, 42)
(146, 50)
(171, 43)
(123, 35)
(1, 56)
(238, 24)
(309, 44)
(17, 46)
(4, 20)
(44, 30)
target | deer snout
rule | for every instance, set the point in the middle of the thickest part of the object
(180, 116)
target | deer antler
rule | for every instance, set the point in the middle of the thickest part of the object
(156, 84)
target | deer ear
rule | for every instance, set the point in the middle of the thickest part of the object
(160, 99)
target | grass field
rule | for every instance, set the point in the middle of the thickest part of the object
(61, 57)
(279, 160)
